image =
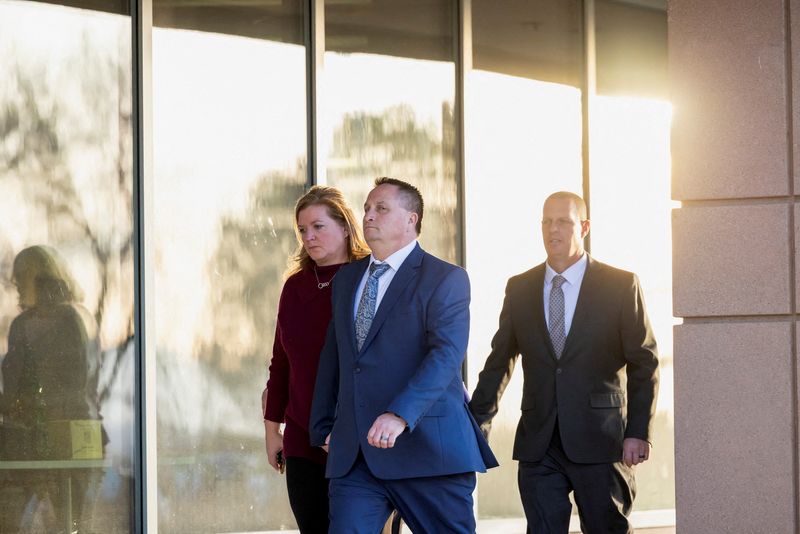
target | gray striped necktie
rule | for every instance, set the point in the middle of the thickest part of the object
(558, 331)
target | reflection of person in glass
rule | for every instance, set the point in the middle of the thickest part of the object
(329, 237)
(49, 375)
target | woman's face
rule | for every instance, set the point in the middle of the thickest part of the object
(323, 238)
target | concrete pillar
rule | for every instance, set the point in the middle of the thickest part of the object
(735, 278)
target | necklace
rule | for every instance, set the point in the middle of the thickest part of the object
(323, 285)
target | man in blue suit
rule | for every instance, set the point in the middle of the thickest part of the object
(389, 400)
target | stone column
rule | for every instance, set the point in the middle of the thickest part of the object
(735, 285)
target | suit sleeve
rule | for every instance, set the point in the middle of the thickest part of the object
(447, 323)
(326, 390)
(641, 353)
(497, 370)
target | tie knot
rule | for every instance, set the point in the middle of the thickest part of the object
(376, 270)
(558, 281)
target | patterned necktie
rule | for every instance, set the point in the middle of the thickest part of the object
(366, 306)
(557, 328)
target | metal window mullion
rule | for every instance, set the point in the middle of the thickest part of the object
(138, 513)
(314, 30)
(463, 33)
(145, 497)
(588, 90)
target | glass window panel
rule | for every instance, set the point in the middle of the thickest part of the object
(631, 203)
(66, 264)
(535, 40)
(387, 106)
(631, 47)
(523, 142)
(631, 229)
(229, 140)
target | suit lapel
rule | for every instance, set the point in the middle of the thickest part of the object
(361, 268)
(407, 272)
(529, 305)
(586, 296)
(533, 301)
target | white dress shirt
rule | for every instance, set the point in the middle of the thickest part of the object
(394, 261)
(572, 287)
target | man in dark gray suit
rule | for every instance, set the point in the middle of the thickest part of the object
(590, 379)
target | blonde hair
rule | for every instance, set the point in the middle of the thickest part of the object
(42, 277)
(339, 211)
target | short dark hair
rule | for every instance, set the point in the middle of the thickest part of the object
(412, 198)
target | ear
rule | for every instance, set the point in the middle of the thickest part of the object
(585, 225)
(413, 218)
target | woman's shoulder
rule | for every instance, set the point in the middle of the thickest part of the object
(296, 279)
(294, 286)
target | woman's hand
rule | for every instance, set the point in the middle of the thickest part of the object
(274, 442)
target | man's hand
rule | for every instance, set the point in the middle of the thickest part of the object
(385, 430)
(327, 444)
(635, 451)
(274, 442)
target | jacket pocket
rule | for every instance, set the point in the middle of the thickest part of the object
(607, 400)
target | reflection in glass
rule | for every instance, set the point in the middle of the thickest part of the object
(387, 106)
(631, 45)
(229, 162)
(50, 374)
(66, 311)
(631, 229)
(631, 198)
(523, 141)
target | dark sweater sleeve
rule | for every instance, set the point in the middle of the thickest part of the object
(278, 383)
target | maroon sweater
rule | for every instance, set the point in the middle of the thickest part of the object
(304, 312)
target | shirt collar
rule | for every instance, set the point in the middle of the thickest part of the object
(574, 273)
(397, 258)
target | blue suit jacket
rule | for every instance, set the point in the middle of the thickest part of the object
(410, 364)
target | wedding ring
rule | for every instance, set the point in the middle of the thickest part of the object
(641, 456)
(384, 438)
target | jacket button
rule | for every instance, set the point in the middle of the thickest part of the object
(357, 369)
(558, 371)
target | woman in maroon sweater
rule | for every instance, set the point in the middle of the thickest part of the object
(329, 237)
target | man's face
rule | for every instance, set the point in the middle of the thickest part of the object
(562, 229)
(387, 223)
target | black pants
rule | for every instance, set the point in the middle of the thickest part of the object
(604, 493)
(308, 494)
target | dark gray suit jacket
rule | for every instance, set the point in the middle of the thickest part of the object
(602, 389)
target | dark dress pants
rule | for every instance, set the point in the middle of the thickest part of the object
(604, 493)
(360, 503)
(308, 494)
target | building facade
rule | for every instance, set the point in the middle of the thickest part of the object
(150, 156)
